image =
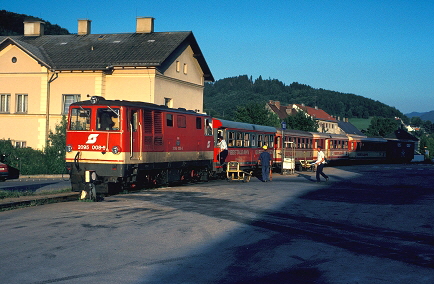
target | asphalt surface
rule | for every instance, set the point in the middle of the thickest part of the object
(368, 224)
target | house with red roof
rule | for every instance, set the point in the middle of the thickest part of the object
(326, 122)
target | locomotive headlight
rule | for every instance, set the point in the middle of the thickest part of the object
(115, 150)
(68, 148)
(90, 176)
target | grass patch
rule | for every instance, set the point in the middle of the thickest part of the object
(16, 193)
(360, 123)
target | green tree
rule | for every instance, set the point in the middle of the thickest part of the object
(301, 121)
(416, 121)
(380, 127)
(55, 151)
(256, 113)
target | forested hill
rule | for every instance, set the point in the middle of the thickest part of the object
(222, 97)
(12, 24)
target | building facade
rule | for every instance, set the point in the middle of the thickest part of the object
(41, 75)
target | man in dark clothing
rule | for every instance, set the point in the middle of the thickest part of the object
(265, 162)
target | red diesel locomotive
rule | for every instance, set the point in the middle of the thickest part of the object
(111, 144)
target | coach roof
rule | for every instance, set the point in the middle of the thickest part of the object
(106, 51)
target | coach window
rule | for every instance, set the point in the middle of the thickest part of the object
(181, 121)
(254, 142)
(246, 140)
(270, 141)
(260, 140)
(231, 138)
(80, 119)
(239, 140)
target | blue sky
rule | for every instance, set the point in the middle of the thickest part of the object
(383, 50)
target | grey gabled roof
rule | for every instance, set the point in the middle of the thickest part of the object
(348, 128)
(104, 51)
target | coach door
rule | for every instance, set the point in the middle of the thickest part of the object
(134, 127)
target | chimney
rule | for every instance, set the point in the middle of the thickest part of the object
(144, 25)
(84, 26)
(33, 28)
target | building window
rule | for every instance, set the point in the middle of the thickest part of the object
(4, 102)
(178, 66)
(22, 103)
(185, 68)
(68, 100)
(168, 102)
(20, 144)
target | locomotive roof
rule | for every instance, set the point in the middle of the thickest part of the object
(246, 126)
(111, 103)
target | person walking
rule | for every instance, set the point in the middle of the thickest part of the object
(265, 162)
(320, 162)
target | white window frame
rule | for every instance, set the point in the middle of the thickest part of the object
(20, 144)
(65, 104)
(4, 102)
(22, 103)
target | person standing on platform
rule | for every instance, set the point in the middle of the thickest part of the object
(265, 162)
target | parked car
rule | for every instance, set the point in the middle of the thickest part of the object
(8, 172)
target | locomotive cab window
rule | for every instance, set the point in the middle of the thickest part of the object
(80, 119)
(208, 127)
(107, 119)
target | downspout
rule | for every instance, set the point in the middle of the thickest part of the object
(47, 113)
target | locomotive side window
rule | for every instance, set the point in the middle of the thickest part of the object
(198, 123)
(181, 121)
(169, 119)
(208, 127)
(80, 119)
